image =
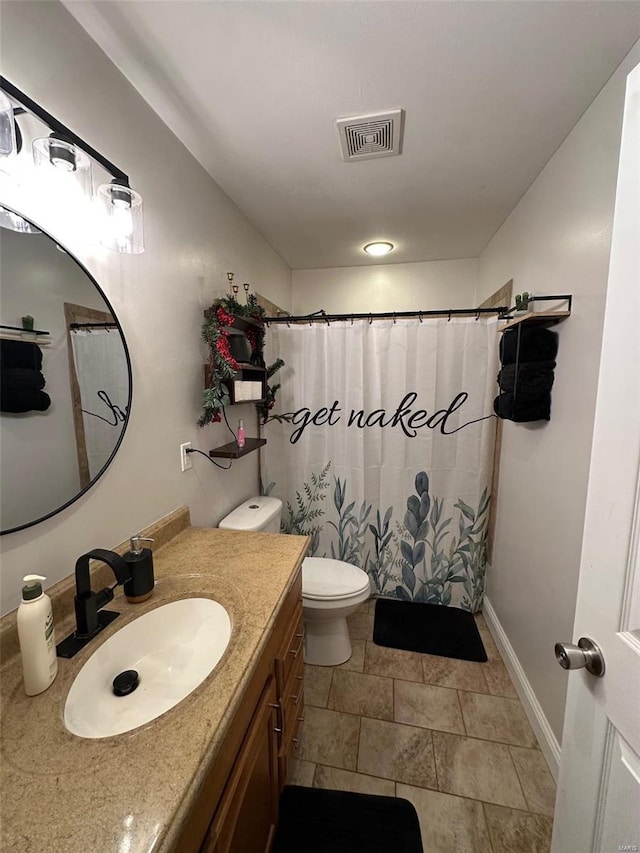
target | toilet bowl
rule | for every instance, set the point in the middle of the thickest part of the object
(331, 589)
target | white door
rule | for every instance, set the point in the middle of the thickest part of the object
(598, 805)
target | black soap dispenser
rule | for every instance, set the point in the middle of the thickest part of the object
(140, 562)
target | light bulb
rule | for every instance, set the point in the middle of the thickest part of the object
(123, 218)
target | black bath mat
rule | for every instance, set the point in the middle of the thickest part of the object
(315, 820)
(428, 628)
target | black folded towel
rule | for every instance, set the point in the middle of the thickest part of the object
(536, 344)
(24, 401)
(534, 378)
(20, 354)
(523, 410)
(20, 379)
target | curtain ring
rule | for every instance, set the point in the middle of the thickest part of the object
(477, 316)
(352, 319)
(370, 319)
(420, 316)
(288, 324)
(449, 320)
(394, 318)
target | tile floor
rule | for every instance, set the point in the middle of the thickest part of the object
(448, 735)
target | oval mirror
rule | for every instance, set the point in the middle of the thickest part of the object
(66, 376)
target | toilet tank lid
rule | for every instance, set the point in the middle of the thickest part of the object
(254, 514)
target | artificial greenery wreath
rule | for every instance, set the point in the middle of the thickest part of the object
(223, 365)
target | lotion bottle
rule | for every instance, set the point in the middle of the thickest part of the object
(240, 436)
(36, 634)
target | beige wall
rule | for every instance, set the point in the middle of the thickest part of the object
(557, 240)
(194, 234)
(386, 287)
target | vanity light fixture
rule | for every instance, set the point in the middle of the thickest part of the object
(65, 157)
(15, 222)
(57, 156)
(378, 248)
(122, 208)
(7, 127)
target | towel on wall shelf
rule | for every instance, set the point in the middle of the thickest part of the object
(21, 381)
(20, 354)
(536, 344)
(534, 378)
(23, 401)
(523, 409)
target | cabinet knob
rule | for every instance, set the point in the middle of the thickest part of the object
(276, 729)
(299, 677)
(301, 719)
(274, 705)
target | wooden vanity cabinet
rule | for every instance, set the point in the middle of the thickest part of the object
(236, 810)
(247, 816)
(289, 668)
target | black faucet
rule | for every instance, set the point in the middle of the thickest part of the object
(90, 618)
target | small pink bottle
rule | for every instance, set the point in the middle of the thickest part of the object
(240, 436)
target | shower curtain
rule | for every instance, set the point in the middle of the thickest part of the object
(382, 448)
(103, 380)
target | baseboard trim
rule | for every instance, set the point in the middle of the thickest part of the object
(546, 738)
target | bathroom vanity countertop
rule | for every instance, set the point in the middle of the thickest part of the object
(132, 792)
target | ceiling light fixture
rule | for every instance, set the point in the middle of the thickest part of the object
(378, 248)
(67, 158)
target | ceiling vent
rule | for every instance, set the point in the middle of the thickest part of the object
(375, 135)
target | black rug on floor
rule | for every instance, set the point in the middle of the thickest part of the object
(428, 628)
(315, 820)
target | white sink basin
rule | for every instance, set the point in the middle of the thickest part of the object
(173, 648)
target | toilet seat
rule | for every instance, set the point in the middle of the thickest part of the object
(324, 579)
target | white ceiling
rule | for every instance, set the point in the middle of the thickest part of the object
(253, 89)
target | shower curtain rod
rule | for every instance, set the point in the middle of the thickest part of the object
(89, 326)
(322, 317)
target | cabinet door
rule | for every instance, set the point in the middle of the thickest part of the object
(246, 818)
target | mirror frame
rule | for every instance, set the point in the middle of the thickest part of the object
(90, 485)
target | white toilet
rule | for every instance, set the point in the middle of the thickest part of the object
(331, 589)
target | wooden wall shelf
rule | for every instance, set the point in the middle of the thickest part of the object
(241, 324)
(536, 317)
(232, 451)
(542, 318)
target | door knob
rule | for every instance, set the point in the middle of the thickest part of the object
(586, 654)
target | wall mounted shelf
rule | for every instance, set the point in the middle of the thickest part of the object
(232, 451)
(27, 338)
(245, 373)
(249, 383)
(241, 324)
(541, 318)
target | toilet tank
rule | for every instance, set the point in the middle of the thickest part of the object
(259, 513)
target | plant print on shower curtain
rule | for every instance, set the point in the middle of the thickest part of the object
(383, 451)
